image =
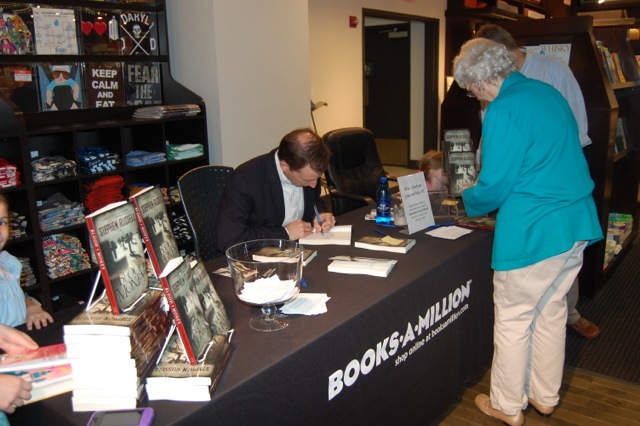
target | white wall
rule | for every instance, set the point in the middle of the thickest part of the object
(256, 63)
(336, 59)
(249, 60)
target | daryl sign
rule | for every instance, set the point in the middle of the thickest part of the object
(104, 85)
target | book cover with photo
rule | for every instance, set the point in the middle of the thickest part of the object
(390, 244)
(143, 84)
(188, 315)
(213, 307)
(55, 31)
(119, 250)
(104, 85)
(462, 171)
(155, 226)
(457, 140)
(16, 34)
(19, 84)
(100, 32)
(138, 33)
(60, 86)
(266, 254)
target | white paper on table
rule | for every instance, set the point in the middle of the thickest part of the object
(306, 304)
(449, 232)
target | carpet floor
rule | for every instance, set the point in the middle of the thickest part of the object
(615, 309)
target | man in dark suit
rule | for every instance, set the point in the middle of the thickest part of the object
(274, 195)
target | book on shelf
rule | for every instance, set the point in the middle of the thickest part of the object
(60, 86)
(618, 67)
(361, 265)
(214, 309)
(143, 84)
(139, 33)
(19, 84)
(55, 31)
(533, 13)
(104, 85)
(487, 223)
(155, 226)
(338, 235)
(100, 32)
(18, 30)
(117, 244)
(270, 254)
(462, 171)
(500, 4)
(387, 243)
(175, 378)
(188, 314)
(621, 137)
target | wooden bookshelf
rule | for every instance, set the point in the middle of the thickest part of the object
(28, 135)
(616, 177)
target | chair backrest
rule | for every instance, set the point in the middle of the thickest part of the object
(201, 191)
(354, 165)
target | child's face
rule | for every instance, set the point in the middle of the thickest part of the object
(4, 224)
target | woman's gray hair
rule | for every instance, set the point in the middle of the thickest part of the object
(482, 61)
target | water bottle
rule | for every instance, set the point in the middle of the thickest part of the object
(383, 202)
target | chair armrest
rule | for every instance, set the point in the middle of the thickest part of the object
(355, 197)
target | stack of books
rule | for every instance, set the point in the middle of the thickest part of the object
(175, 378)
(111, 355)
(167, 111)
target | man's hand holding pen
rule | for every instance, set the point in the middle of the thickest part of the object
(323, 222)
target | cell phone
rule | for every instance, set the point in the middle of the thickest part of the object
(133, 417)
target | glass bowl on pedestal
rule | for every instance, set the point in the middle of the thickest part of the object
(266, 273)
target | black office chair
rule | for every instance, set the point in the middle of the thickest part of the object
(354, 169)
(201, 191)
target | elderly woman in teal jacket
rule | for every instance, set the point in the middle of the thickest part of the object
(535, 175)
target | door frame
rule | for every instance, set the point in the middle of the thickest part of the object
(431, 66)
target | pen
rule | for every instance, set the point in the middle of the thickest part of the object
(377, 231)
(441, 225)
(315, 209)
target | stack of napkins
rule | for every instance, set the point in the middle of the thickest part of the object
(306, 304)
(268, 290)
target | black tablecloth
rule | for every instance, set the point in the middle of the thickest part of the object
(392, 350)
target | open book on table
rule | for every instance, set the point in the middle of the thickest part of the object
(338, 235)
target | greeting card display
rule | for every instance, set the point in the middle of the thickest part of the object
(143, 83)
(100, 32)
(104, 84)
(60, 86)
(139, 33)
(55, 31)
(16, 35)
(18, 84)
